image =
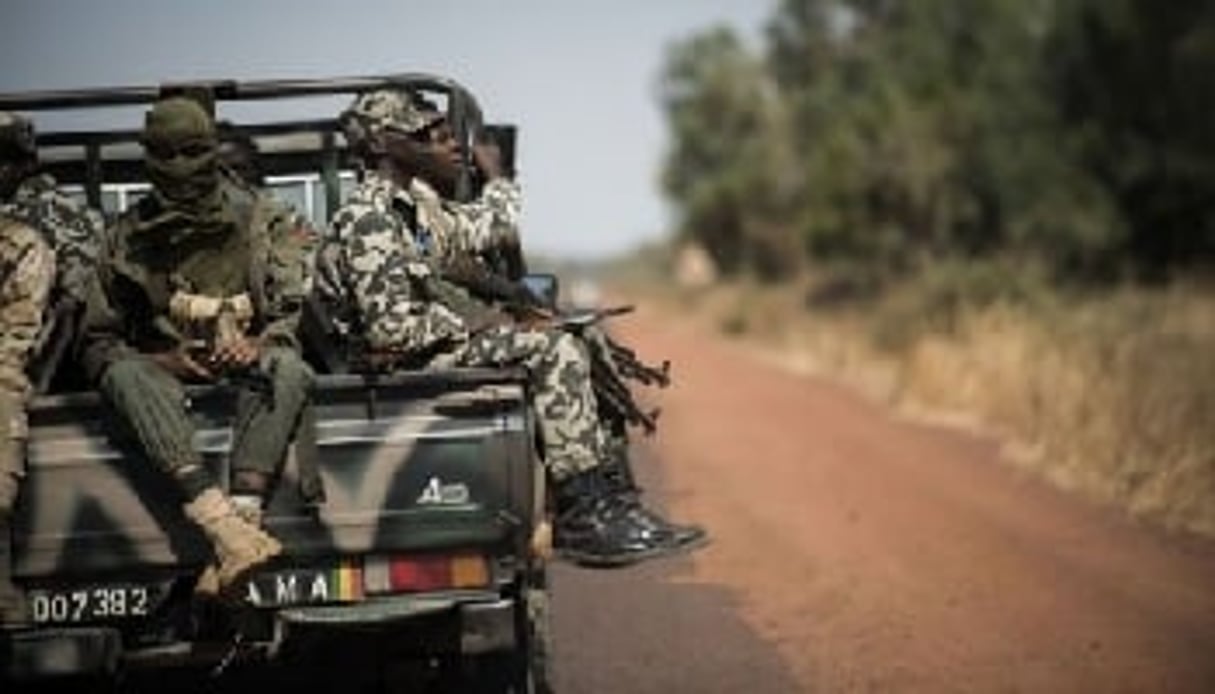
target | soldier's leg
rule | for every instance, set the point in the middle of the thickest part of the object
(151, 403)
(618, 461)
(265, 426)
(592, 528)
(618, 471)
(562, 396)
(613, 430)
(12, 439)
(151, 406)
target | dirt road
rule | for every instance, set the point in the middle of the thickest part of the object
(855, 551)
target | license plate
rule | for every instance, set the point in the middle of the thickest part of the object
(91, 603)
(306, 586)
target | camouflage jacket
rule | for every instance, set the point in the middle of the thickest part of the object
(377, 278)
(250, 245)
(27, 272)
(73, 231)
(475, 227)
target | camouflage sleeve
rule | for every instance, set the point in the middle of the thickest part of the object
(386, 280)
(76, 255)
(74, 232)
(289, 276)
(330, 288)
(490, 221)
(27, 270)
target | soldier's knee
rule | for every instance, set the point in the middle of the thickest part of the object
(568, 349)
(289, 370)
(12, 462)
(126, 375)
(9, 484)
(561, 342)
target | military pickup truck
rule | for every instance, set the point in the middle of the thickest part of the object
(409, 508)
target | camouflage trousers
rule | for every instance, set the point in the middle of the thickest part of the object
(561, 390)
(151, 405)
(12, 466)
(12, 436)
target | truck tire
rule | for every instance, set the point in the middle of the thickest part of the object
(525, 669)
(539, 638)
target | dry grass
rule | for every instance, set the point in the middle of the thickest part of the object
(1111, 397)
(1115, 399)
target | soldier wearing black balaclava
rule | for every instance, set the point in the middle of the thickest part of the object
(192, 287)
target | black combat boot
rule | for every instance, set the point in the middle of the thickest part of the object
(663, 534)
(13, 610)
(591, 527)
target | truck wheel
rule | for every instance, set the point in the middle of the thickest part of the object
(526, 669)
(95, 684)
(537, 644)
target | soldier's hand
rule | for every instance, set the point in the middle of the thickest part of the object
(179, 363)
(488, 158)
(489, 321)
(237, 353)
(534, 318)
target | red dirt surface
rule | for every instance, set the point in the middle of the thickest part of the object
(878, 554)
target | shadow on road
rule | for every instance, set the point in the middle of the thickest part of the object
(645, 629)
(638, 630)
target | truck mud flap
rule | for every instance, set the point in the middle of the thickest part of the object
(36, 654)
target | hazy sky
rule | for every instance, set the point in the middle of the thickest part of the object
(579, 78)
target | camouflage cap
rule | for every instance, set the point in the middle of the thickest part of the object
(17, 132)
(385, 109)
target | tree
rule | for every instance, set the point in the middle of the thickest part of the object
(1135, 81)
(1075, 132)
(727, 170)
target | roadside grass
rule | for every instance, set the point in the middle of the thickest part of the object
(1111, 395)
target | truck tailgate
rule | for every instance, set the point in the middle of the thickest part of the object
(411, 462)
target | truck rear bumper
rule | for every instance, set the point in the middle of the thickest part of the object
(42, 653)
(458, 624)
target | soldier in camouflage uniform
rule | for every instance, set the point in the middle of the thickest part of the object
(48, 250)
(485, 231)
(27, 272)
(379, 278)
(72, 229)
(195, 284)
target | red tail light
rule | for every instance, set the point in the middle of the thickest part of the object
(409, 574)
(429, 573)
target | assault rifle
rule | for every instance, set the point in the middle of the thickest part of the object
(612, 364)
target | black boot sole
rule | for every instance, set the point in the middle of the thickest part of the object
(615, 561)
(689, 546)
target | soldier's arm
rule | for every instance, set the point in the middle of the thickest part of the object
(77, 231)
(491, 221)
(386, 280)
(102, 333)
(289, 278)
(28, 272)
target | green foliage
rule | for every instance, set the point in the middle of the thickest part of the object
(1073, 132)
(1135, 81)
(727, 169)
